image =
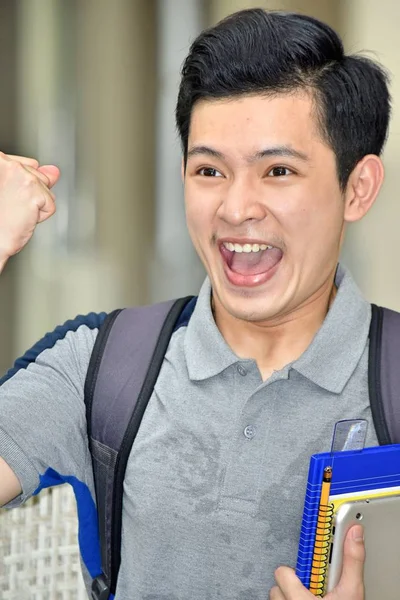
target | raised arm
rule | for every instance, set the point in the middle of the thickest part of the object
(25, 201)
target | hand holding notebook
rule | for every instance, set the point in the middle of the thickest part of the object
(369, 477)
(350, 586)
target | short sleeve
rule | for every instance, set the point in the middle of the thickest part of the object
(42, 410)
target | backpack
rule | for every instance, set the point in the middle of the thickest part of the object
(123, 369)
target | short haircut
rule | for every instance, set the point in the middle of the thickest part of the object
(271, 53)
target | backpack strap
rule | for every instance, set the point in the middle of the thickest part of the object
(384, 373)
(123, 369)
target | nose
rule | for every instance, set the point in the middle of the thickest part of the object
(241, 202)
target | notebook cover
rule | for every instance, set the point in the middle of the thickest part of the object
(355, 474)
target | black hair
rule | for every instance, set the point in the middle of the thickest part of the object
(256, 51)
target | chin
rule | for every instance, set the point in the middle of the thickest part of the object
(248, 308)
(255, 316)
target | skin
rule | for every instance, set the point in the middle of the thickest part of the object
(238, 189)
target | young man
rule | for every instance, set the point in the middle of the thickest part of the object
(281, 136)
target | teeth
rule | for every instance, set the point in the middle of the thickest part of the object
(246, 247)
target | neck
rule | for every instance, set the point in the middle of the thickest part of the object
(279, 341)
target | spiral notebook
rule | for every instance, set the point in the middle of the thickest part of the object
(335, 478)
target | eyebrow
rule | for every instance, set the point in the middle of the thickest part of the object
(201, 150)
(282, 151)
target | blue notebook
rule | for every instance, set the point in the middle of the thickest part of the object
(358, 474)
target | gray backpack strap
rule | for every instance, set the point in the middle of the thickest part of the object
(124, 366)
(384, 373)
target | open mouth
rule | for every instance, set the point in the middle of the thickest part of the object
(249, 263)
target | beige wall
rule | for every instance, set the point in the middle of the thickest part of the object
(372, 245)
(327, 10)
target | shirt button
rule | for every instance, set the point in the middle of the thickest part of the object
(242, 371)
(249, 432)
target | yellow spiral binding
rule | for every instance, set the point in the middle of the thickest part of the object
(322, 537)
(321, 549)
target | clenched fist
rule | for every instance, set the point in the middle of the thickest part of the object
(25, 201)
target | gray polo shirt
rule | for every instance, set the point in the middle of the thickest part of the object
(216, 478)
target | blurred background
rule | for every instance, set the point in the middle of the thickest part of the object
(91, 85)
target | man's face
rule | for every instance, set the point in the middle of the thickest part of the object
(264, 208)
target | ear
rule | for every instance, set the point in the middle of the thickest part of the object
(363, 187)
(183, 170)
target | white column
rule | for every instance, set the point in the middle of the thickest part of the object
(39, 76)
(176, 270)
(86, 102)
(116, 77)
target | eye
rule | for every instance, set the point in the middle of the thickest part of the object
(279, 172)
(209, 172)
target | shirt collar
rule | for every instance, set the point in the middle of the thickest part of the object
(207, 353)
(338, 345)
(330, 359)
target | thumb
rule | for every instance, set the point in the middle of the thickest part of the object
(52, 173)
(351, 582)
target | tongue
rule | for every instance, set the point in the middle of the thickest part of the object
(253, 263)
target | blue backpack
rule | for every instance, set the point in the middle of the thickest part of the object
(124, 366)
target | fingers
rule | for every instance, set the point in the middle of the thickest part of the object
(289, 586)
(351, 584)
(47, 206)
(51, 172)
(276, 594)
(29, 162)
(41, 176)
(25, 200)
